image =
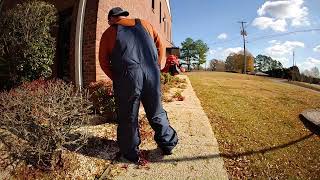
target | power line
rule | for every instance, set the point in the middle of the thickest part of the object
(264, 36)
(281, 34)
(226, 41)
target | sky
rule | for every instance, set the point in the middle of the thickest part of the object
(216, 22)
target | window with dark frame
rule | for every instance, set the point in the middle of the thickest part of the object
(168, 31)
(160, 12)
(152, 4)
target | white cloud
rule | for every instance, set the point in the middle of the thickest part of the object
(227, 51)
(313, 60)
(280, 51)
(265, 22)
(212, 51)
(317, 48)
(280, 13)
(273, 41)
(222, 36)
(309, 63)
(222, 53)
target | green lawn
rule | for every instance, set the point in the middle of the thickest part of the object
(256, 122)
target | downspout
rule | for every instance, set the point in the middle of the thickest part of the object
(78, 43)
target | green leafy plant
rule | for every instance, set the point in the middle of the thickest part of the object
(26, 46)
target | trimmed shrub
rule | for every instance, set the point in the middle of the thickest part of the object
(168, 82)
(27, 48)
(103, 99)
(178, 96)
(39, 118)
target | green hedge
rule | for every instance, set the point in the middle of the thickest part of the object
(27, 47)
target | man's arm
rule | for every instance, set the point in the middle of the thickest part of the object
(106, 45)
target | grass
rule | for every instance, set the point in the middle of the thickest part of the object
(256, 122)
(315, 87)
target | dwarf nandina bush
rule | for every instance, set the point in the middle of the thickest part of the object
(103, 98)
(39, 118)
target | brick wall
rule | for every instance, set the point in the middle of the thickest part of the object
(137, 9)
(95, 23)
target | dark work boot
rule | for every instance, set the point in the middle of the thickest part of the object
(166, 151)
(124, 158)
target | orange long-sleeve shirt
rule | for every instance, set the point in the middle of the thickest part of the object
(108, 41)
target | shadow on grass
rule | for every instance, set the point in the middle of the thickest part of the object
(234, 155)
(97, 147)
(309, 125)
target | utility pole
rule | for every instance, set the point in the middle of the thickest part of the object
(293, 58)
(244, 34)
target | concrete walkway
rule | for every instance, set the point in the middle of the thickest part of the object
(197, 154)
(312, 115)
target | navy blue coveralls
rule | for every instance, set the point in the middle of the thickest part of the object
(136, 77)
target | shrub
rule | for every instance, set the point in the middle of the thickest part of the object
(278, 73)
(178, 96)
(26, 46)
(103, 99)
(39, 118)
(167, 82)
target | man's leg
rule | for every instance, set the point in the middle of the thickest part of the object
(128, 101)
(165, 136)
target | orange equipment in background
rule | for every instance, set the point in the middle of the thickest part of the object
(172, 66)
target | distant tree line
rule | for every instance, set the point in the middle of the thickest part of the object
(274, 68)
(233, 63)
(264, 65)
(194, 54)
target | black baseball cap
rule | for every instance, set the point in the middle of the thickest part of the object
(117, 11)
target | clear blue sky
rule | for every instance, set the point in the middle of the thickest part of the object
(216, 23)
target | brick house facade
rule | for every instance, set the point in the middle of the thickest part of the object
(80, 27)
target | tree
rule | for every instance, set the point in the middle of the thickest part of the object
(201, 49)
(314, 72)
(294, 73)
(188, 52)
(265, 63)
(234, 62)
(217, 65)
(194, 52)
(311, 75)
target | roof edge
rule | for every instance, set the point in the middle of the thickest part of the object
(169, 8)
